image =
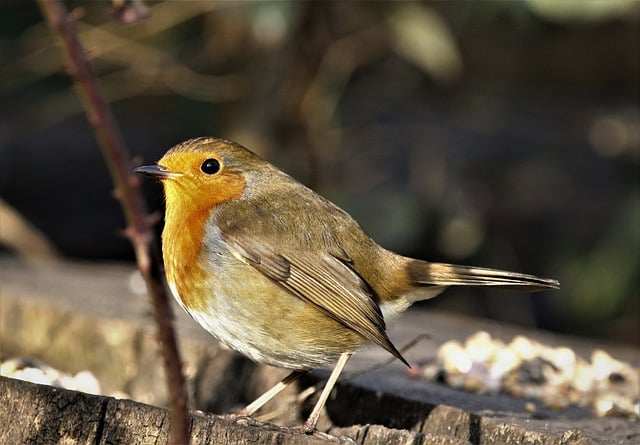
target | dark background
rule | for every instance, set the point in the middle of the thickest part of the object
(500, 134)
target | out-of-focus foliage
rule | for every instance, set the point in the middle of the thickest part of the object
(581, 11)
(504, 134)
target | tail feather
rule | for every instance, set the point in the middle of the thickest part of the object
(441, 274)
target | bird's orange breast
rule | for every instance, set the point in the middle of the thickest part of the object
(188, 209)
(181, 244)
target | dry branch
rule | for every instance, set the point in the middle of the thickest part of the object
(127, 191)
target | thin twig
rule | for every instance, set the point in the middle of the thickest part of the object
(127, 191)
(410, 345)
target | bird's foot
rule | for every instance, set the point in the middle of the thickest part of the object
(312, 431)
(245, 420)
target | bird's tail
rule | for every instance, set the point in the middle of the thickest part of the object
(441, 274)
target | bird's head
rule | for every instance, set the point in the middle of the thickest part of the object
(201, 173)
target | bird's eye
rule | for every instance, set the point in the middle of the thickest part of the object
(210, 166)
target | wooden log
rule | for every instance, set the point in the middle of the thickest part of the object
(41, 414)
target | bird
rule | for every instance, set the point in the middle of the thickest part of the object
(282, 275)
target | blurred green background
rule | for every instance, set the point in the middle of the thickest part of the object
(502, 134)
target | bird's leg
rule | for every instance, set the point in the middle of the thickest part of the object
(310, 425)
(258, 403)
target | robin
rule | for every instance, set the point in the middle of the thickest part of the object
(281, 274)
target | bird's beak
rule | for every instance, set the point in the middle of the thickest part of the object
(156, 171)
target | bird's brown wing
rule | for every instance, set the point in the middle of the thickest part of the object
(324, 280)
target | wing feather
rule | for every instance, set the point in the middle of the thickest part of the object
(326, 281)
